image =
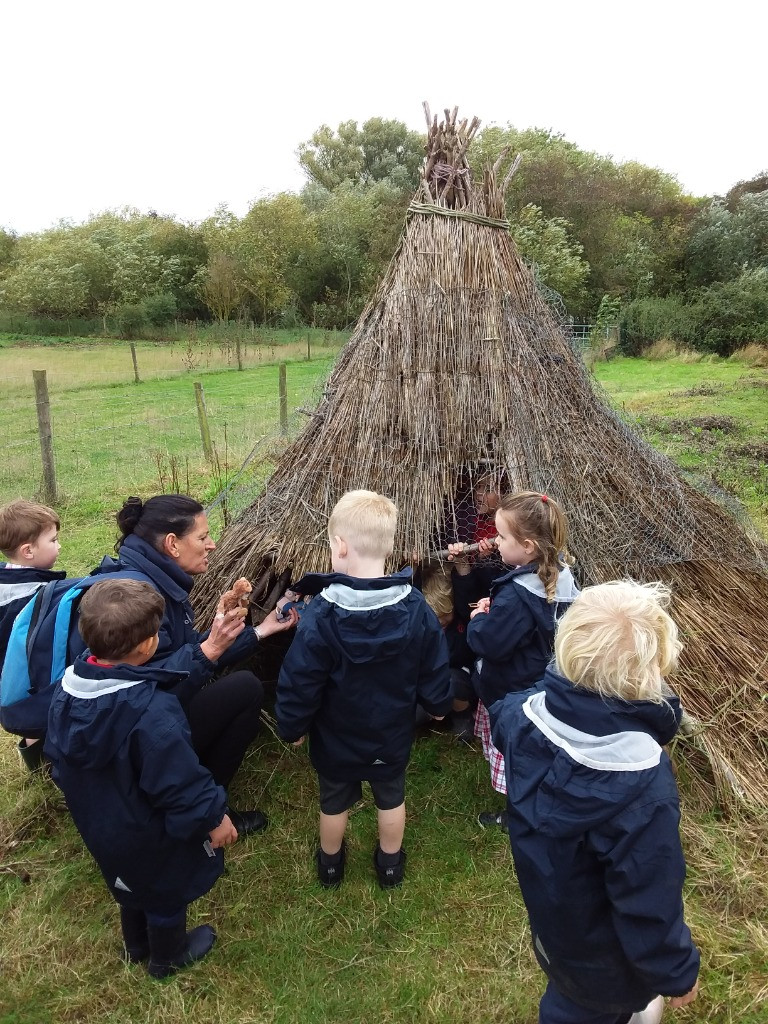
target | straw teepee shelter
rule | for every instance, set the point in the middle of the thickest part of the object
(457, 367)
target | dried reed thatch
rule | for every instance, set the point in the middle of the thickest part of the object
(457, 367)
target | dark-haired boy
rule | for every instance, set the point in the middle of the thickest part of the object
(29, 539)
(150, 814)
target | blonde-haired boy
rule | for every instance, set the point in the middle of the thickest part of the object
(593, 812)
(29, 539)
(368, 649)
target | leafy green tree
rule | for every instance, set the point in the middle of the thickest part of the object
(53, 274)
(8, 242)
(219, 285)
(608, 207)
(546, 242)
(381, 150)
(725, 243)
(259, 264)
(752, 186)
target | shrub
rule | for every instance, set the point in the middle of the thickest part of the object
(733, 313)
(159, 309)
(131, 319)
(650, 319)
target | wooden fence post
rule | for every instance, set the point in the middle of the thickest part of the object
(239, 353)
(202, 415)
(309, 348)
(136, 378)
(283, 400)
(46, 435)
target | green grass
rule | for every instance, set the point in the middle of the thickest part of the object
(113, 438)
(709, 417)
(452, 945)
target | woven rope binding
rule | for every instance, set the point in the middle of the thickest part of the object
(473, 218)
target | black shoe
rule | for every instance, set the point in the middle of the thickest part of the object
(171, 949)
(330, 876)
(392, 875)
(133, 924)
(422, 718)
(32, 755)
(487, 818)
(247, 822)
(463, 726)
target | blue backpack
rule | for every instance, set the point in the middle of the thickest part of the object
(44, 640)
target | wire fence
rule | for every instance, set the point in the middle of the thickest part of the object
(137, 438)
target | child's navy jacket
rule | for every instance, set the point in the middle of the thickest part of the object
(144, 805)
(513, 642)
(593, 822)
(366, 651)
(179, 646)
(17, 587)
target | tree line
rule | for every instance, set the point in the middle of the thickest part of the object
(604, 236)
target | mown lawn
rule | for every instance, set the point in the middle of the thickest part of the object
(452, 945)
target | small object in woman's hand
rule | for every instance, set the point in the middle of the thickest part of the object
(236, 598)
(219, 615)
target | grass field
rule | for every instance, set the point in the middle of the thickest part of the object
(452, 945)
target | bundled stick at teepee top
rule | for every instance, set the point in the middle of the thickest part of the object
(456, 369)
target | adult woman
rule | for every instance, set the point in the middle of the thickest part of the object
(166, 539)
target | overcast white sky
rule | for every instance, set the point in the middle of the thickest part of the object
(180, 106)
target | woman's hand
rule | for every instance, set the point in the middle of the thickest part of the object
(271, 624)
(224, 834)
(225, 629)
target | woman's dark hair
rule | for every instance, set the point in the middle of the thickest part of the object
(153, 519)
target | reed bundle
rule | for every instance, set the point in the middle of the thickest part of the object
(457, 367)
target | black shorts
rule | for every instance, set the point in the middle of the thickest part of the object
(337, 797)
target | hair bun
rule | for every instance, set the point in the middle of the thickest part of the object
(129, 515)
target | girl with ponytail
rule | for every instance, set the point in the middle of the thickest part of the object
(511, 633)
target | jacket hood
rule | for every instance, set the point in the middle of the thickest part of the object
(19, 584)
(371, 618)
(136, 554)
(604, 749)
(534, 594)
(83, 726)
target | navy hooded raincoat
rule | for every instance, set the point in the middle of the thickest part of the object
(141, 800)
(593, 822)
(366, 651)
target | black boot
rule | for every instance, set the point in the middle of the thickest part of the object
(32, 755)
(247, 822)
(135, 939)
(171, 949)
(389, 874)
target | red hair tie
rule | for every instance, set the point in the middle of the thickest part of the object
(544, 498)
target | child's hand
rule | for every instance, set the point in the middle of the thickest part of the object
(224, 834)
(676, 1002)
(457, 555)
(271, 624)
(486, 547)
(482, 608)
(298, 742)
